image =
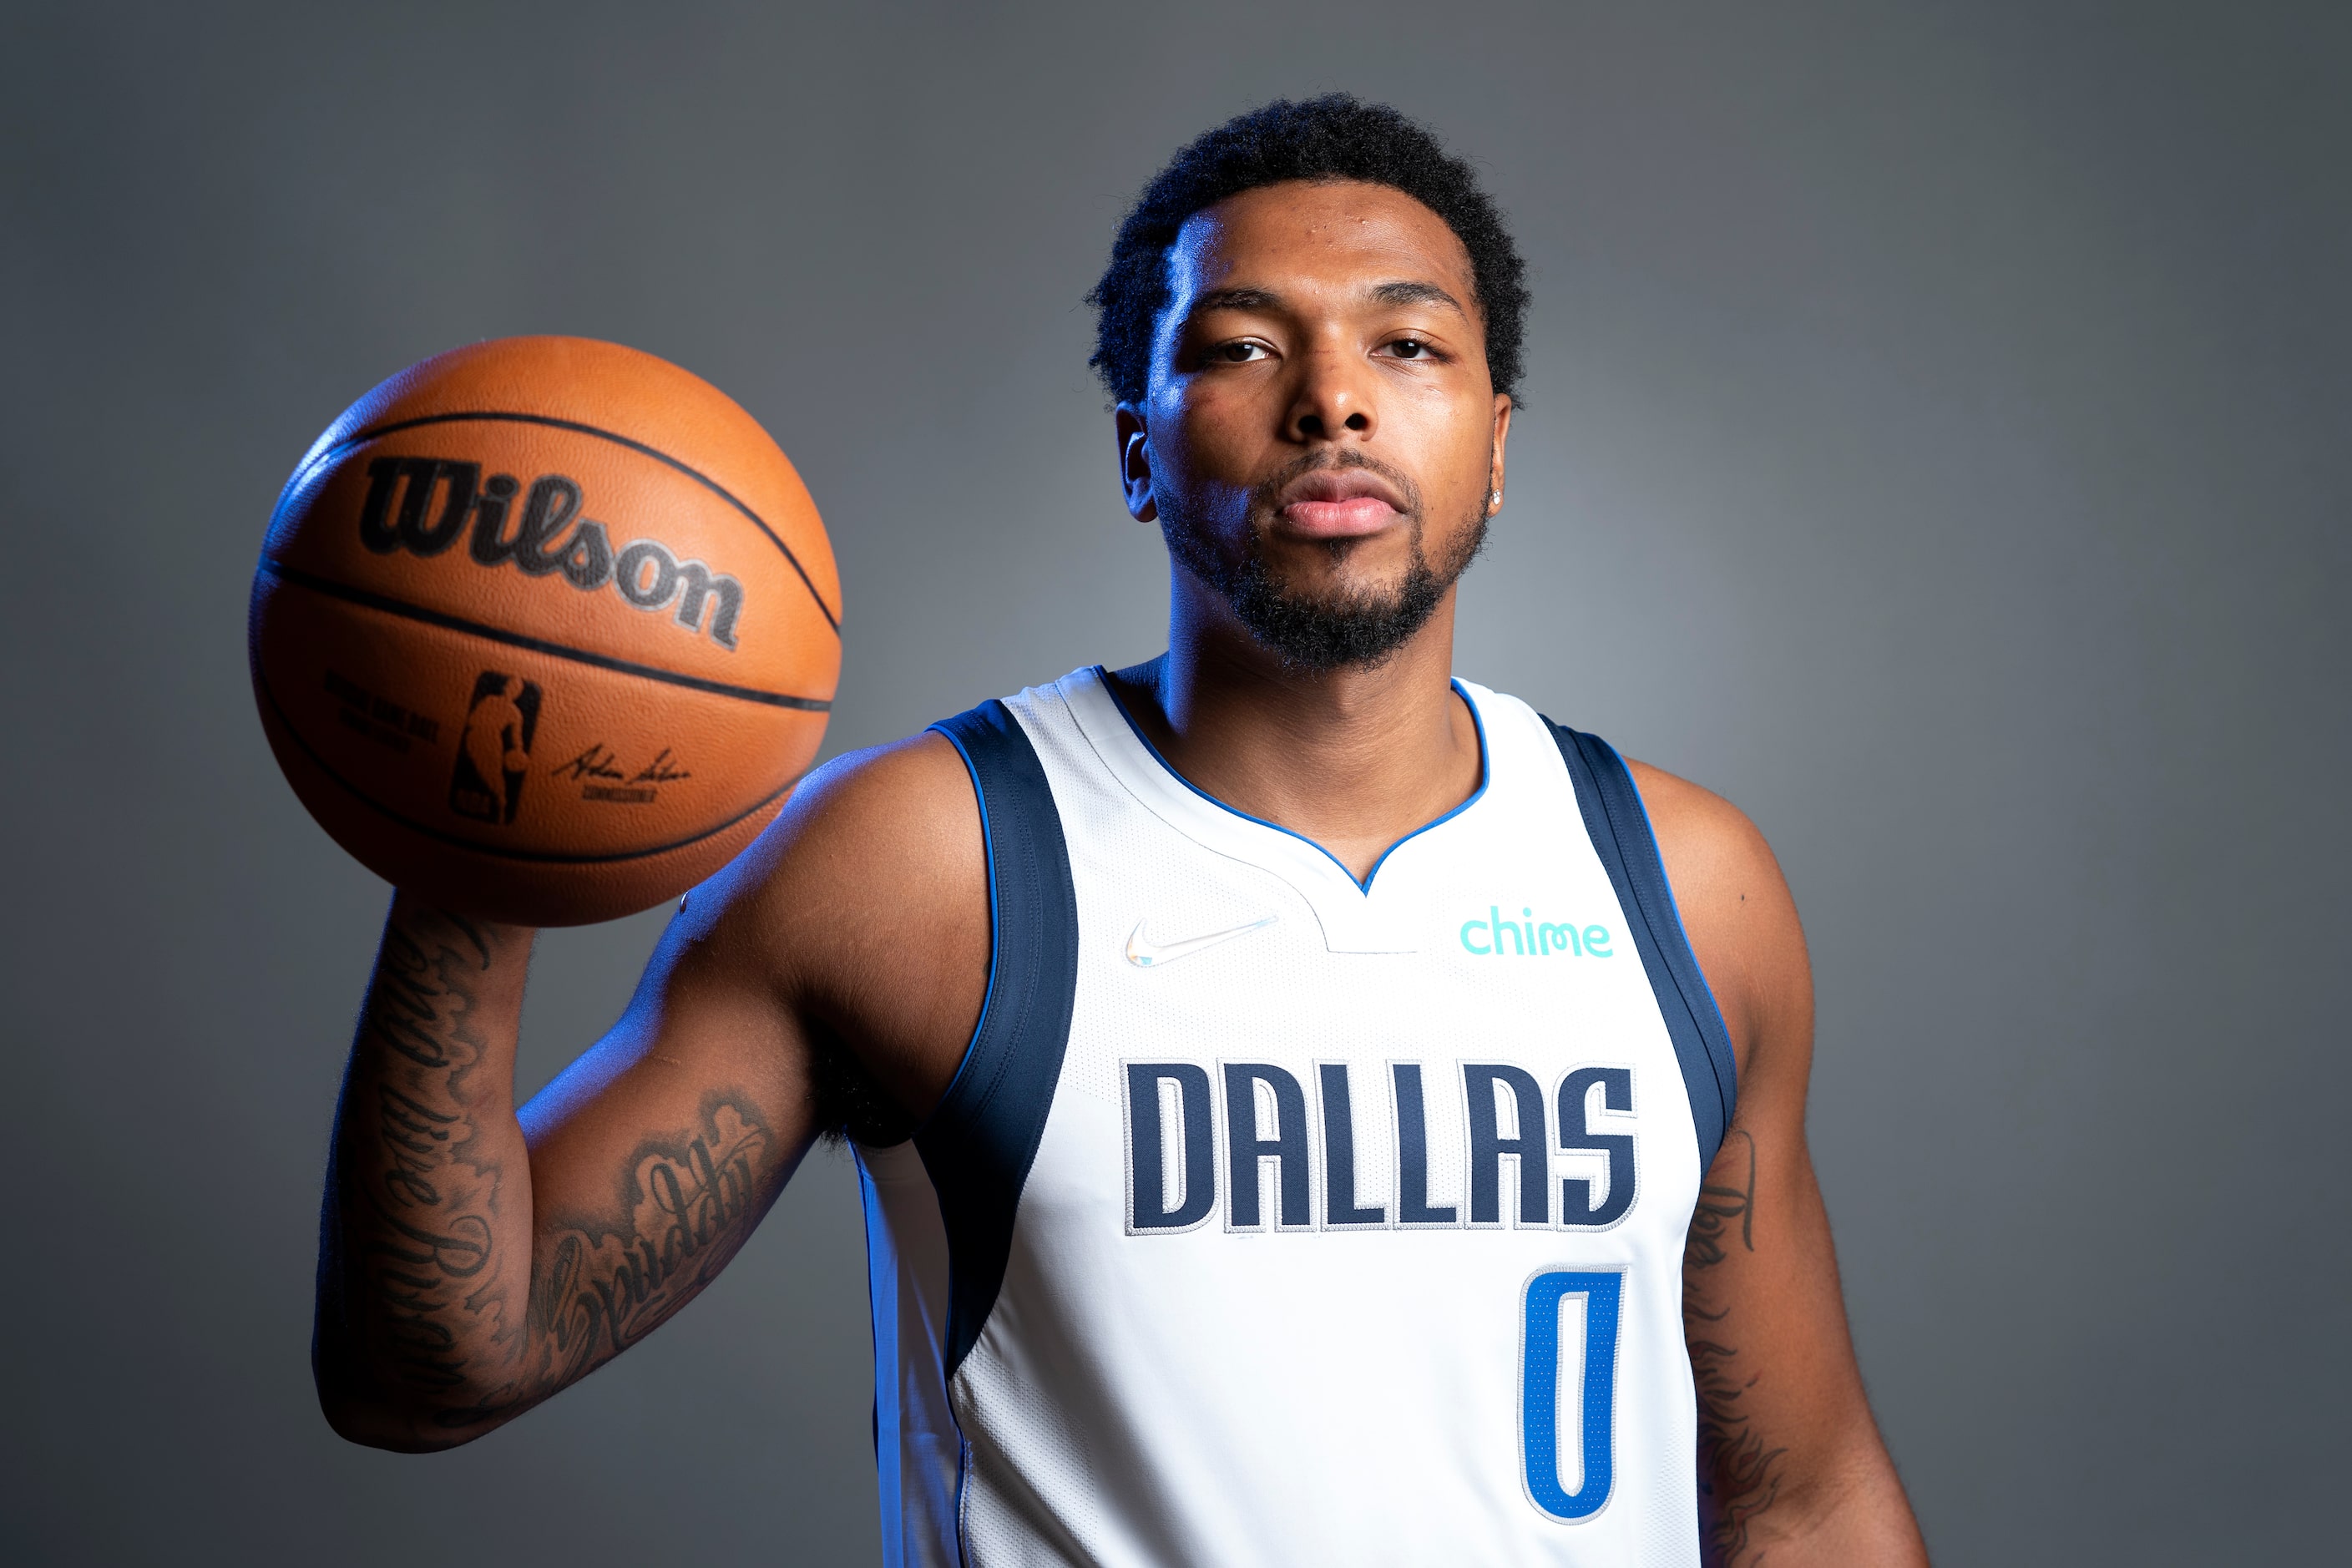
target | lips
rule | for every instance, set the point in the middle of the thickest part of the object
(1337, 503)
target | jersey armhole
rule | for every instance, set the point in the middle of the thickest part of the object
(979, 1142)
(1619, 826)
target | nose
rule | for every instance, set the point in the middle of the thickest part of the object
(1334, 395)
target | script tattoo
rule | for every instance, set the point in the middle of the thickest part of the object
(412, 1187)
(415, 1137)
(603, 1284)
(1718, 1207)
(427, 1275)
(1739, 1471)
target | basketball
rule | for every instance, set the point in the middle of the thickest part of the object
(545, 629)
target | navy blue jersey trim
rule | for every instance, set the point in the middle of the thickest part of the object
(979, 1143)
(1619, 826)
(878, 1255)
(1477, 722)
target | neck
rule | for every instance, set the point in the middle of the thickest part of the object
(1353, 759)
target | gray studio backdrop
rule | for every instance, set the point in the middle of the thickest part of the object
(1935, 441)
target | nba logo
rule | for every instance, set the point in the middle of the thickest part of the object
(494, 752)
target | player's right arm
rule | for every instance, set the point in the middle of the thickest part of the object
(476, 1257)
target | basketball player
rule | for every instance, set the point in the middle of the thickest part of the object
(1309, 1110)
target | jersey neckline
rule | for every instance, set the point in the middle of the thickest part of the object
(1364, 888)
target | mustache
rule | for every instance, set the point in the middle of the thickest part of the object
(1265, 495)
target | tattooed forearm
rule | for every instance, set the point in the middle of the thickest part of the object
(426, 984)
(1739, 1468)
(407, 1277)
(444, 1294)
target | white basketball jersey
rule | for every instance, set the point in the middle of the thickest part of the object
(1274, 1218)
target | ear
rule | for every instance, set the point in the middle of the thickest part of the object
(1135, 462)
(1501, 438)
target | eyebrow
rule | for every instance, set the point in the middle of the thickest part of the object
(1402, 292)
(1236, 300)
(1406, 292)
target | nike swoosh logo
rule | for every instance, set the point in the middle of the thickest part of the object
(1145, 953)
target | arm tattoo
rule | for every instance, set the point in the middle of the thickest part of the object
(426, 1273)
(1739, 1471)
(412, 1187)
(603, 1281)
(1718, 1207)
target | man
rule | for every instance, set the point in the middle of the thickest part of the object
(1280, 1075)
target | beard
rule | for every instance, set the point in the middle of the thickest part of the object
(1316, 634)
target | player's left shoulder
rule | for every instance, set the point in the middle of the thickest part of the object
(1734, 904)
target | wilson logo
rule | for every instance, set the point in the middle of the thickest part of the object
(548, 537)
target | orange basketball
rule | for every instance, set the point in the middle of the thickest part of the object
(545, 629)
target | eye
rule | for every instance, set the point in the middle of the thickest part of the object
(1241, 350)
(1410, 348)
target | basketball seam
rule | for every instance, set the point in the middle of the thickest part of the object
(375, 432)
(286, 722)
(370, 599)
